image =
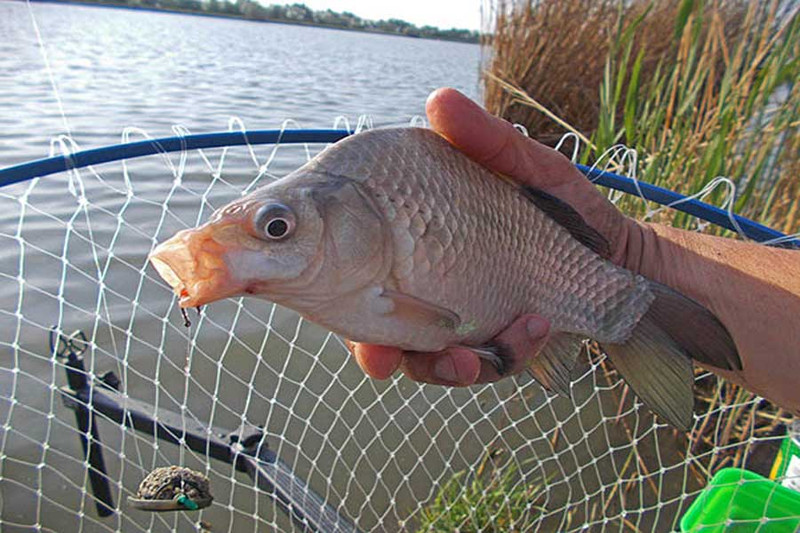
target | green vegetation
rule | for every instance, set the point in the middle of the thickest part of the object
(296, 14)
(491, 499)
(699, 89)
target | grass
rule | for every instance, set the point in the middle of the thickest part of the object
(697, 90)
(493, 498)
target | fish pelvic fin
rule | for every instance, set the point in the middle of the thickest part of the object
(496, 353)
(658, 370)
(554, 364)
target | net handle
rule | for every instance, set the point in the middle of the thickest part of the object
(116, 152)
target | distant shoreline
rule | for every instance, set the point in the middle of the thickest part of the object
(176, 11)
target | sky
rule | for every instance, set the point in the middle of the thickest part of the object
(442, 13)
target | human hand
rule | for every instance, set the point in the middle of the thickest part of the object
(498, 146)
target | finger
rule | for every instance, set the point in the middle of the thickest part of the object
(458, 367)
(523, 341)
(379, 362)
(495, 143)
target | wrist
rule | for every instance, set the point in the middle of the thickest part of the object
(655, 251)
(688, 262)
(637, 249)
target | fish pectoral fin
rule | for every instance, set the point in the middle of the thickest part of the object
(553, 366)
(658, 371)
(419, 311)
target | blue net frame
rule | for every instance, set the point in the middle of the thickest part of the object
(84, 158)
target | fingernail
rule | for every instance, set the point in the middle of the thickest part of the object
(445, 369)
(537, 328)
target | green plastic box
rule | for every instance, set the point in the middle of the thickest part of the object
(787, 461)
(736, 501)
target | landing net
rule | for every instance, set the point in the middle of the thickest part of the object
(331, 449)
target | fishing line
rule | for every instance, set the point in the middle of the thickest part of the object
(48, 68)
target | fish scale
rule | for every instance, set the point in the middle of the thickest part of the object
(524, 262)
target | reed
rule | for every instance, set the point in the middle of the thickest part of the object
(698, 89)
(554, 52)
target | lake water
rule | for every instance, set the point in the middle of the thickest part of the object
(73, 251)
(116, 68)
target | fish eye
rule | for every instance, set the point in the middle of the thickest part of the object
(274, 222)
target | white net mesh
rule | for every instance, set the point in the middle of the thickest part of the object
(380, 454)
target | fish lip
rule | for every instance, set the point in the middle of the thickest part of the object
(168, 274)
(194, 269)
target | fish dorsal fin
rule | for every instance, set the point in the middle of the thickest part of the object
(562, 213)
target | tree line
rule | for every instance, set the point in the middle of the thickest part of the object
(300, 14)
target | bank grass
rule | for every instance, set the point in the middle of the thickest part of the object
(698, 91)
(495, 497)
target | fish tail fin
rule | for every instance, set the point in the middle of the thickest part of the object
(658, 371)
(694, 328)
(656, 361)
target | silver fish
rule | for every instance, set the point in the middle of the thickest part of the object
(394, 237)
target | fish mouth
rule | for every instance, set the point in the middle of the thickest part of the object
(193, 264)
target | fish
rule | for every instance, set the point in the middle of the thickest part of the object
(393, 236)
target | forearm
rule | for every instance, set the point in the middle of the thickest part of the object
(754, 290)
